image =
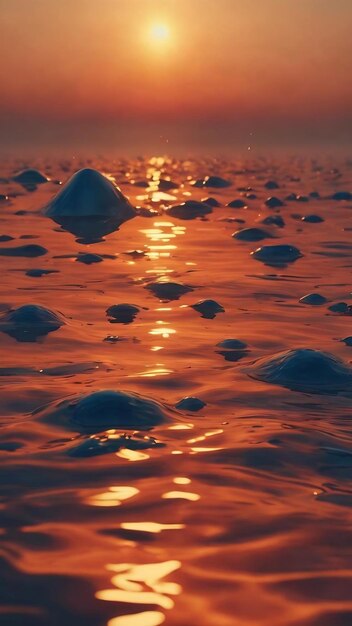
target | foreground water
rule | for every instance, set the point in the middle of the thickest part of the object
(237, 514)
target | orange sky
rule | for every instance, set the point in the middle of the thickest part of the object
(265, 66)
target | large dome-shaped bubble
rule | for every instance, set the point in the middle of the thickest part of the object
(90, 206)
(307, 370)
(29, 322)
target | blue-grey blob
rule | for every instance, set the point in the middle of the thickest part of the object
(237, 204)
(30, 177)
(312, 219)
(38, 273)
(107, 409)
(189, 210)
(232, 344)
(274, 220)
(217, 182)
(90, 206)
(233, 350)
(165, 184)
(314, 299)
(122, 313)
(342, 195)
(89, 258)
(190, 403)
(271, 184)
(211, 202)
(168, 290)
(30, 251)
(341, 307)
(347, 341)
(277, 255)
(273, 202)
(251, 234)
(307, 370)
(208, 308)
(29, 322)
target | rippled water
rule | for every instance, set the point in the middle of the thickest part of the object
(238, 514)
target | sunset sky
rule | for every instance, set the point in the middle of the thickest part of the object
(163, 72)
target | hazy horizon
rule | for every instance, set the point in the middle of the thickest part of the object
(214, 77)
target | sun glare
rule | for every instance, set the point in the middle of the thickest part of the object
(160, 32)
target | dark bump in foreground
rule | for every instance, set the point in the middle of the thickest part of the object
(122, 313)
(190, 403)
(307, 370)
(30, 251)
(106, 409)
(168, 290)
(189, 210)
(314, 299)
(29, 322)
(90, 206)
(251, 234)
(277, 255)
(208, 308)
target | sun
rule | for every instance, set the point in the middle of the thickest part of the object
(159, 32)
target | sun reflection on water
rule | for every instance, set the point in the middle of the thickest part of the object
(141, 584)
(113, 497)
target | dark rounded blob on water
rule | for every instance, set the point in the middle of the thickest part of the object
(103, 410)
(189, 210)
(89, 258)
(122, 313)
(274, 203)
(141, 183)
(315, 195)
(251, 234)
(4, 238)
(38, 273)
(208, 308)
(233, 350)
(237, 204)
(274, 220)
(168, 290)
(271, 184)
(217, 182)
(314, 299)
(342, 195)
(310, 371)
(29, 322)
(233, 355)
(30, 251)
(4, 197)
(190, 403)
(347, 341)
(90, 206)
(341, 307)
(211, 202)
(277, 255)
(30, 177)
(312, 219)
(165, 184)
(232, 344)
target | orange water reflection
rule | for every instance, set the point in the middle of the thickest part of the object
(141, 584)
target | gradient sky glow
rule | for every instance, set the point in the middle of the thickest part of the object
(81, 70)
